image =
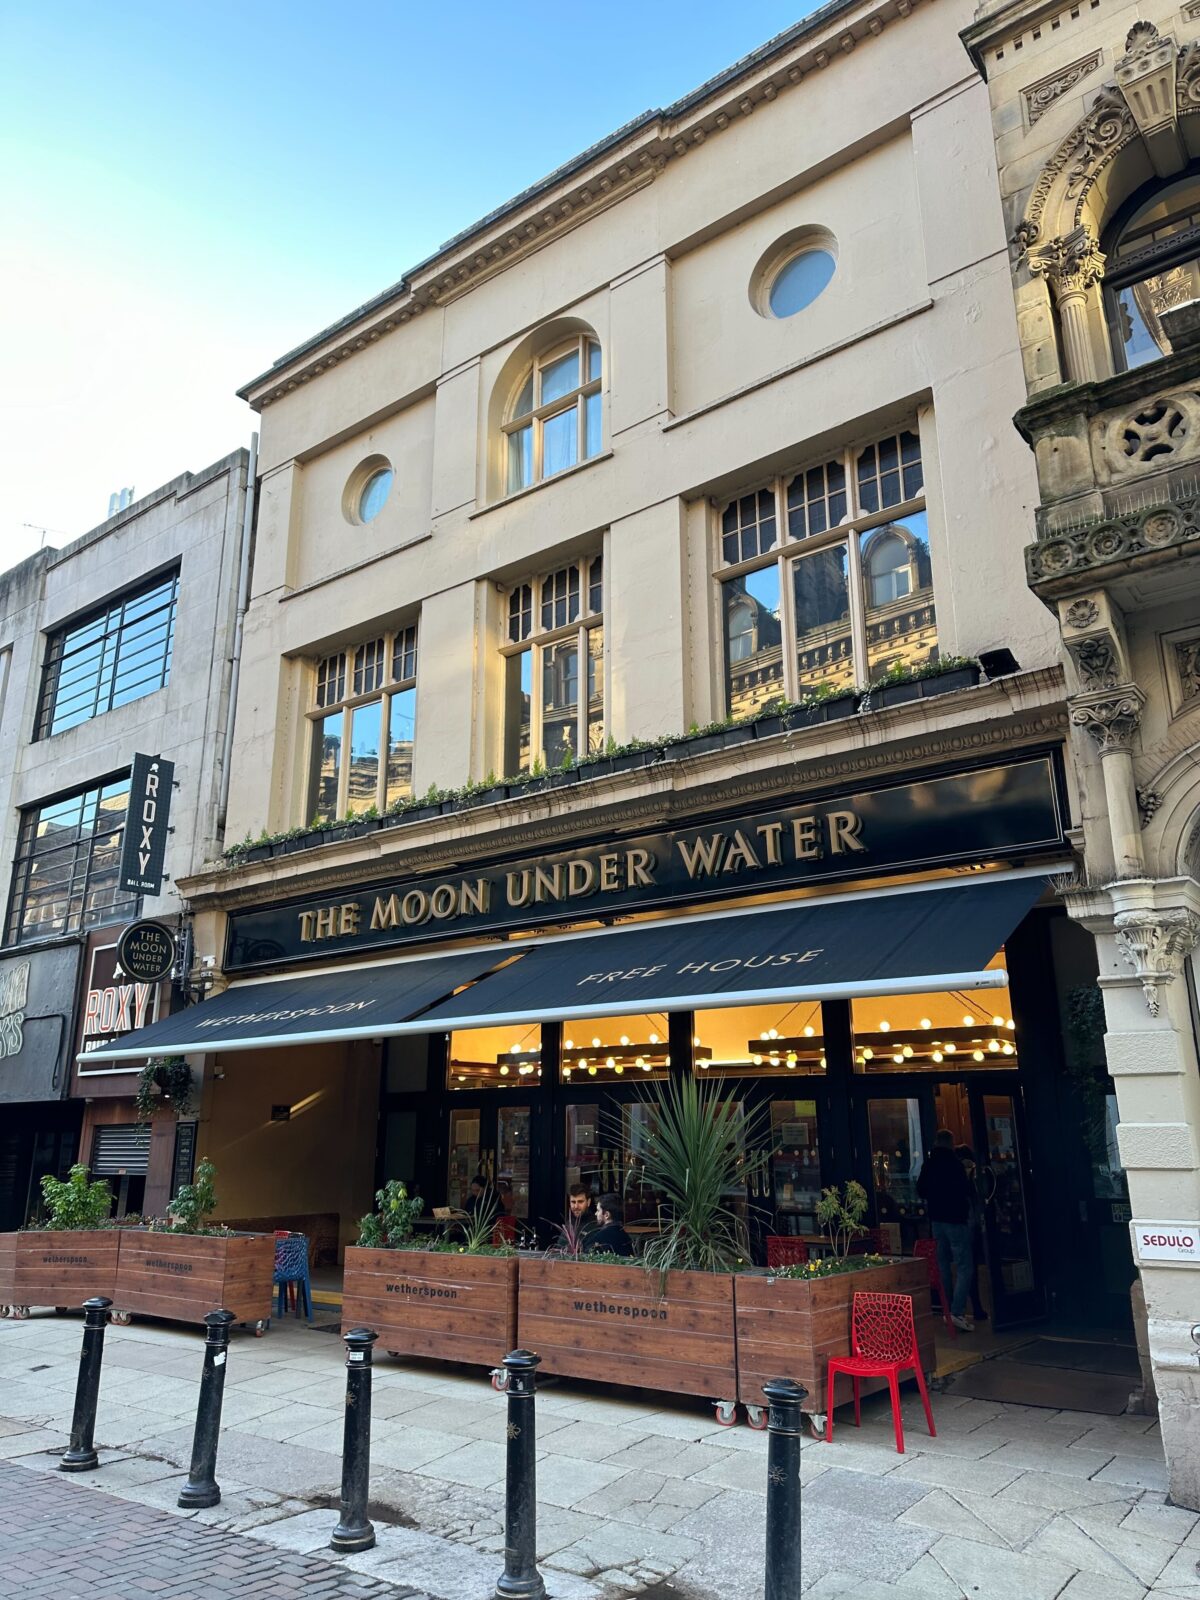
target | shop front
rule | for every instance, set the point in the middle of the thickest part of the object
(859, 970)
(39, 1128)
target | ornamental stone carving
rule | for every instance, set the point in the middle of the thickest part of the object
(1085, 551)
(1159, 432)
(1071, 265)
(1096, 661)
(1187, 665)
(1040, 96)
(1148, 803)
(1156, 944)
(1082, 613)
(1112, 720)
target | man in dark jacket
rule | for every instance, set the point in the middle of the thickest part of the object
(946, 1190)
(610, 1233)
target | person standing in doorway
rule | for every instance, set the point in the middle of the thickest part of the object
(946, 1191)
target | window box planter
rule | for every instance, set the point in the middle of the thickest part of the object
(421, 813)
(561, 778)
(834, 709)
(433, 1303)
(616, 1325)
(259, 852)
(183, 1276)
(894, 694)
(492, 796)
(291, 847)
(56, 1267)
(947, 682)
(789, 1327)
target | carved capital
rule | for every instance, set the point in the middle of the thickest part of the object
(1071, 264)
(1156, 944)
(1111, 719)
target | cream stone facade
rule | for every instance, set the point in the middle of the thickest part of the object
(1094, 108)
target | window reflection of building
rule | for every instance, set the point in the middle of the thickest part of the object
(554, 642)
(363, 721)
(1153, 265)
(827, 578)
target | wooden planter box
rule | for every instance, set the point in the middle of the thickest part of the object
(56, 1267)
(789, 1328)
(615, 1324)
(183, 1276)
(433, 1303)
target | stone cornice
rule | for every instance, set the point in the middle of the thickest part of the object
(1162, 530)
(998, 718)
(617, 167)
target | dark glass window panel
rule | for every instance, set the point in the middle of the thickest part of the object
(110, 658)
(368, 667)
(404, 656)
(900, 616)
(402, 714)
(518, 710)
(596, 585)
(748, 526)
(560, 598)
(593, 357)
(327, 759)
(821, 593)
(816, 500)
(520, 613)
(889, 472)
(331, 680)
(67, 867)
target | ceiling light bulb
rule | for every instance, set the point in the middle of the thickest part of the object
(1008, 1049)
(885, 1027)
(653, 1038)
(968, 1022)
(624, 1038)
(645, 1065)
(504, 1072)
(994, 1046)
(791, 1058)
(695, 1038)
(997, 1022)
(667, 1059)
(566, 1072)
(568, 1044)
(937, 1055)
(1010, 1023)
(950, 1049)
(618, 1071)
(610, 1061)
(591, 1072)
(774, 1033)
(583, 1061)
(898, 1057)
(868, 1054)
(977, 1055)
(638, 1062)
(514, 1049)
(757, 1060)
(822, 1060)
(925, 1022)
(809, 1031)
(596, 1044)
(906, 1051)
(861, 1061)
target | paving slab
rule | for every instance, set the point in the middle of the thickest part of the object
(987, 1573)
(988, 1519)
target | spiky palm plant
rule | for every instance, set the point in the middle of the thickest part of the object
(693, 1156)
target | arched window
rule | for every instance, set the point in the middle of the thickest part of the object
(889, 567)
(555, 421)
(1153, 251)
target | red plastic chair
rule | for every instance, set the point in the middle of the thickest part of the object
(505, 1231)
(784, 1251)
(884, 1336)
(926, 1250)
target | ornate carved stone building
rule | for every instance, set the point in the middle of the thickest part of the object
(1096, 115)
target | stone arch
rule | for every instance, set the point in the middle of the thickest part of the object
(511, 377)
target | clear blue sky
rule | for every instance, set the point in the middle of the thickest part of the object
(190, 190)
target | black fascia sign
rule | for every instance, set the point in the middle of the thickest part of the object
(144, 847)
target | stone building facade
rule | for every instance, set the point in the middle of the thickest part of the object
(120, 642)
(1096, 115)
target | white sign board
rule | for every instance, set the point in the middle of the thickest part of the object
(1167, 1241)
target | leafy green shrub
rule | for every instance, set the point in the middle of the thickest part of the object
(194, 1204)
(841, 1216)
(390, 1225)
(76, 1203)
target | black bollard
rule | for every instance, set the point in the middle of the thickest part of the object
(521, 1577)
(81, 1456)
(202, 1488)
(354, 1530)
(783, 1488)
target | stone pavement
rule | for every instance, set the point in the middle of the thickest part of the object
(60, 1542)
(639, 1494)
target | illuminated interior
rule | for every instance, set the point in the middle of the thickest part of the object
(495, 1058)
(761, 1041)
(614, 1049)
(956, 1030)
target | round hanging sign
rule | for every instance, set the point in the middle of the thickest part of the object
(146, 952)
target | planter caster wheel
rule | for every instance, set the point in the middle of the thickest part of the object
(756, 1418)
(18, 1313)
(61, 1311)
(261, 1327)
(10, 1313)
(726, 1413)
(121, 1319)
(499, 1380)
(818, 1422)
(395, 1354)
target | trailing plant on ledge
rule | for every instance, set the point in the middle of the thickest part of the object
(173, 1077)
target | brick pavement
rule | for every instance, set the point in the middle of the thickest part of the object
(62, 1539)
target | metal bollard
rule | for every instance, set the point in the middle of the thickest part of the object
(783, 1488)
(354, 1530)
(521, 1577)
(81, 1456)
(202, 1488)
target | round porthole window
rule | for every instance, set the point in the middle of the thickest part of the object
(799, 281)
(373, 494)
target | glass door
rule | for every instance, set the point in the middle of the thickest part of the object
(896, 1143)
(513, 1136)
(999, 1144)
(464, 1156)
(791, 1178)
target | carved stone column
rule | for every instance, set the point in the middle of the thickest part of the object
(1156, 943)
(1112, 718)
(1072, 266)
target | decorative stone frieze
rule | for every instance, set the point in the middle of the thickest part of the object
(1112, 720)
(1085, 551)
(1094, 636)
(1187, 668)
(1158, 432)
(1040, 96)
(1156, 943)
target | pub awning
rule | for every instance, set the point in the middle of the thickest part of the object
(878, 942)
(360, 1002)
(873, 942)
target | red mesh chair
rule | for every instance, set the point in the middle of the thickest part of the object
(926, 1250)
(884, 1337)
(784, 1251)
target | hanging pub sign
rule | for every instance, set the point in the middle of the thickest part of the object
(144, 846)
(988, 813)
(146, 952)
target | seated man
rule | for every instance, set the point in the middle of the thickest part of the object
(579, 1209)
(610, 1234)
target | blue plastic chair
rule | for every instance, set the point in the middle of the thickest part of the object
(291, 1267)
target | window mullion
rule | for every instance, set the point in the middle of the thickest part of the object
(385, 713)
(343, 782)
(858, 617)
(787, 628)
(581, 709)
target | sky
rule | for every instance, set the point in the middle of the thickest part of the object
(188, 191)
